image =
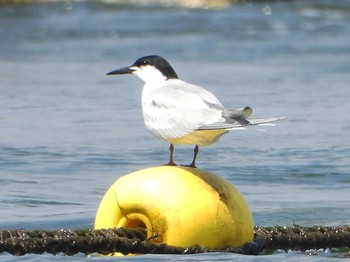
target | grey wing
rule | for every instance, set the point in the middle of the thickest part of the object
(179, 108)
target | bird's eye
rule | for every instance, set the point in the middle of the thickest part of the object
(139, 62)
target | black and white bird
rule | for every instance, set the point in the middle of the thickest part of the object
(182, 113)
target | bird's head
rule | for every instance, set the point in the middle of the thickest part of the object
(149, 68)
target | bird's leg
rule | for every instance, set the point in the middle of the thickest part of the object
(171, 160)
(196, 150)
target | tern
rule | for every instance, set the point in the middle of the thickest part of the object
(182, 113)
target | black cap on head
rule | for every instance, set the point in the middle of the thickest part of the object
(159, 62)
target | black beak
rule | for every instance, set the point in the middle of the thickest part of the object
(122, 71)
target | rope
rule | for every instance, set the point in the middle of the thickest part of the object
(302, 238)
(133, 240)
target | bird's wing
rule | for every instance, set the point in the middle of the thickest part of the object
(179, 108)
(234, 114)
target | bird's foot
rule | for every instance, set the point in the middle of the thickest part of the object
(170, 164)
(192, 165)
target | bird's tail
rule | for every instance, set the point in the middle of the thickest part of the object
(256, 122)
(263, 121)
(242, 123)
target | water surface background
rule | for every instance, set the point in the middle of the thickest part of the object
(68, 131)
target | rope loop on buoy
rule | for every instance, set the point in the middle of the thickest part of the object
(134, 241)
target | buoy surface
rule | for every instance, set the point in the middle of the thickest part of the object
(179, 206)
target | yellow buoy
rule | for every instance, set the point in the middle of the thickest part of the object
(180, 206)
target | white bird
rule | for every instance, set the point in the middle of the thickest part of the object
(182, 113)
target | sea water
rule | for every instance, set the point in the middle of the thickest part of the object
(68, 131)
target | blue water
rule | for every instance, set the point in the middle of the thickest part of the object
(67, 131)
